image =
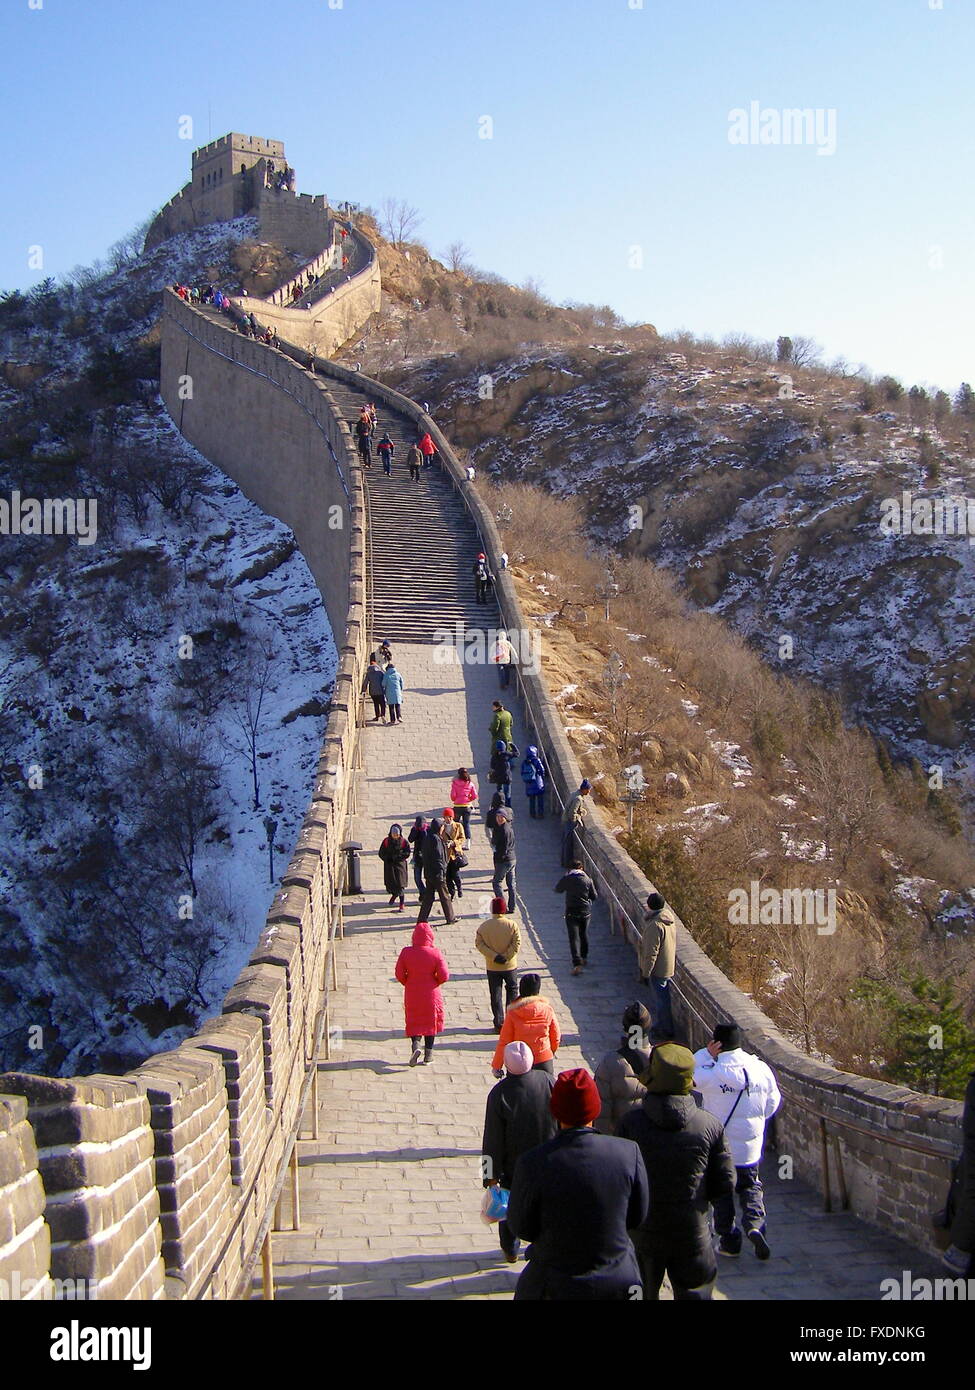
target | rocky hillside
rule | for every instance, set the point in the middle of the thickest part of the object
(164, 682)
(767, 508)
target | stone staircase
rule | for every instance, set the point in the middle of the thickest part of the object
(423, 541)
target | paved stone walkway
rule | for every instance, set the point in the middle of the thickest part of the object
(390, 1193)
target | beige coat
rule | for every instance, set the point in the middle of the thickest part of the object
(499, 936)
(658, 945)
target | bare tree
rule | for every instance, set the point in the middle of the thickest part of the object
(805, 352)
(398, 220)
(249, 708)
(456, 256)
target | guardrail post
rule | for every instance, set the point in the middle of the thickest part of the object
(295, 1206)
(267, 1269)
(824, 1146)
(841, 1175)
(314, 1099)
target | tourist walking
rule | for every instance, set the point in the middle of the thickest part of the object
(501, 725)
(385, 449)
(499, 771)
(393, 686)
(580, 894)
(421, 970)
(499, 941)
(363, 435)
(374, 683)
(433, 854)
(413, 460)
(415, 838)
(530, 1019)
(395, 854)
(573, 820)
(385, 651)
(619, 1076)
(463, 794)
(481, 572)
(533, 774)
(427, 448)
(575, 1197)
(518, 1117)
(741, 1091)
(504, 658)
(688, 1165)
(657, 963)
(454, 838)
(503, 849)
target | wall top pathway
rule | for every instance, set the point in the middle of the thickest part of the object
(390, 1191)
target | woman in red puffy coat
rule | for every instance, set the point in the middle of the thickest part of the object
(421, 970)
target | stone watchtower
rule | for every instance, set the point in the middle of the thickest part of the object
(228, 178)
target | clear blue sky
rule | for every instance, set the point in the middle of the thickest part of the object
(611, 129)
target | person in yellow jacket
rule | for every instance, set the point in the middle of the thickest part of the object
(499, 941)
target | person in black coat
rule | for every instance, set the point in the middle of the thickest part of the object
(415, 838)
(373, 684)
(575, 1197)
(433, 853)
(395, 854)
(518, 1117)
(503, 845)
(689, 1165)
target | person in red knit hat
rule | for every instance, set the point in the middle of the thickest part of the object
(575, 1198)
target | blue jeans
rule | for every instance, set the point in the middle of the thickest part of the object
(505, 670)
(536, 805)
(504, 869)
(660, 1010)
(418, 876)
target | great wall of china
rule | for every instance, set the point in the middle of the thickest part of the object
(164, 1183)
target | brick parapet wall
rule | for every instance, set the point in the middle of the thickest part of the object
(158, 1183)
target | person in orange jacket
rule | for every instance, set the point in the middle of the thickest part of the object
(530, 1019)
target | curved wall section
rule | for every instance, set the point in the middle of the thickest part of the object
(882, 1150)
(163, 1183)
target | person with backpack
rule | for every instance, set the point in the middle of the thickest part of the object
(481, 573)
(491, 818)
(427, 448)
(580, 894)
(385, 449)
(413, 460)
(395, 853)
(463, 794)
(689, 1165)
(500, 770)
(533, 773)
(741, 1091)
(415, 838)
(374, 684)
(393, 687)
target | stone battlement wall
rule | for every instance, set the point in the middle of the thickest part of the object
(891, 1147)
(160, 1183)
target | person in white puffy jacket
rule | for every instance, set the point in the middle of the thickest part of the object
(740, 1090)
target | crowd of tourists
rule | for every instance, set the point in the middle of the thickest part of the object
(421, 453)
(613, 1179)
